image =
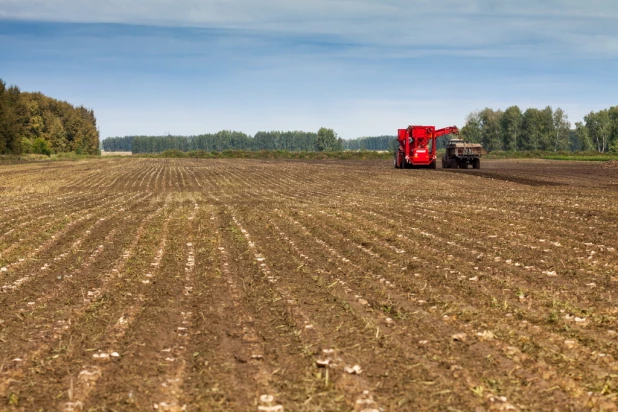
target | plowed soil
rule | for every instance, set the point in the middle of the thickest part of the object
(239, 285)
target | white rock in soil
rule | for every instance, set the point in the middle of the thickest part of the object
(4, 269)
(354, 370)
(322, 363)
(266, 398)
(273, 408)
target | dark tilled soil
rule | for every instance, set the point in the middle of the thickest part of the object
(180, 284)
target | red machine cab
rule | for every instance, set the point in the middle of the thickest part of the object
(417, 146)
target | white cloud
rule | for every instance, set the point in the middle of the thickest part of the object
(474, 27)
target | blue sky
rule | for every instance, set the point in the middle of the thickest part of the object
(361, 67)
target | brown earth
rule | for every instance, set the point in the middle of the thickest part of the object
(165, 284)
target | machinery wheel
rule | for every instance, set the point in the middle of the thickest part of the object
(433, 164)
(395, 158)
(477, 163)
(443, 164)
(463, 165)
(454, 164)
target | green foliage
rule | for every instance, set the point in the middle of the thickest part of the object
(26, 117)
(41, 146)
(118, 144)
(11, 125)
(327, 141)
(220, 141)
(173, 153)
(542, 130)
(371, 143)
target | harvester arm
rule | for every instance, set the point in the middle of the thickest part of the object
(446, 130)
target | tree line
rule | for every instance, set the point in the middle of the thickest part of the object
(371, 143)
(35, 123)
(542, 129)
(324, 140)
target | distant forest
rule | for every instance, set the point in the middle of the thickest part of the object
(324, 140)
(509, 130)
(230, 140)
(35, 123)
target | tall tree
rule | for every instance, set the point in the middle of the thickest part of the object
(547, 129)
(599, 128)
(327, 141)
(491, 129)
(531, 130)
(562, 128)
(583, 136)
(613, 138)
(512, 120)
(472, 131)
(12, 111)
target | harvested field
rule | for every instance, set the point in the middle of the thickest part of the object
(236, 285)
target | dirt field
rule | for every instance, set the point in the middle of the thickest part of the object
(240, 285)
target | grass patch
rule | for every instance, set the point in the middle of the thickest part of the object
(592, 156)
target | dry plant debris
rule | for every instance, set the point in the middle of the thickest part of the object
(185, 284)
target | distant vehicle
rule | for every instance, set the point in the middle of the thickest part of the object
(460, 154)
(417, 146)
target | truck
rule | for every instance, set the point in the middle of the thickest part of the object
(417, 146)
(460, 154)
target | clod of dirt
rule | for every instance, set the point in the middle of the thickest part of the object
(322, 363)
(354, 370)
(612, 164)
(459, 337)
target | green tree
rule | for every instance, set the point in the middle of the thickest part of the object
(12, 113)
(531, 130)
(327, 141)
(583, 136)
(512, 120)
(599, 128)
(561, 129)
(41, 146)
(491, 129)
(472, 131)
(613, 138)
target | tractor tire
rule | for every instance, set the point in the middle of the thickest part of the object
(443, 164)
(454, 164)
(433, 164)
(395, 158)
(477, 163)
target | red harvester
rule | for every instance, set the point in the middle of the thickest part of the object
(417, 146)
